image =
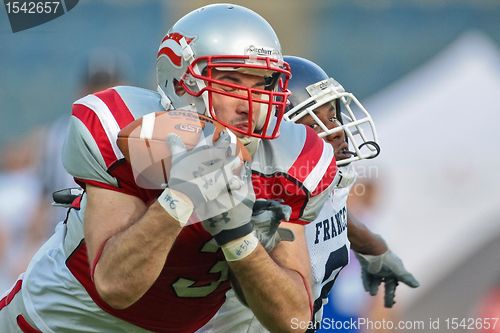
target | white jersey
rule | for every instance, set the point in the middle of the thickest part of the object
(328, 247)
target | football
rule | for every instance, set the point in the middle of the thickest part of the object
(143, 142)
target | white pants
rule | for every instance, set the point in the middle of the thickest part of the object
(13, 316)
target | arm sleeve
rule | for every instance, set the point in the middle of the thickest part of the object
(82, 157)
(317, 183)
(314, 205)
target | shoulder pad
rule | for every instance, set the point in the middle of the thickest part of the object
(90, 147)
(299, 153)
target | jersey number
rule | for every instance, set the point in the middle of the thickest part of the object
(187, 288)
(336, 261)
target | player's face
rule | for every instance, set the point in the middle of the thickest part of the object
(235, 111)
(327, 114)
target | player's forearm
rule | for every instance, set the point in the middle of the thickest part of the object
(132, 260)
(362, 239)
(275, 294)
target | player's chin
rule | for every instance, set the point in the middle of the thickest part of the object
(241, 131)
(240, 135)
(340, 156)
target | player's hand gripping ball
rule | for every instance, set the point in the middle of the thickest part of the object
(144, 143)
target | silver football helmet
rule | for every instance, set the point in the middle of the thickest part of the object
(224, 37)
(311, 88)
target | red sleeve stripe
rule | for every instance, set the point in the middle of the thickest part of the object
(11, 294)
(127, 190)
(25, 326)
(320, 169)
(328, 178)
(94, 125)
(299, 221)
(112, 115)
(117, 106)
(106, 119)
(309, 156)
(96, 183)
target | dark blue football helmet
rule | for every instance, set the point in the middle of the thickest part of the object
(311, 88)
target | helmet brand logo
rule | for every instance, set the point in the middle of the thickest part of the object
(323, 85)
(171, 47)
(260, 51)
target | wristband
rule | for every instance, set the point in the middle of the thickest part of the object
(177, 205)
(240, 248)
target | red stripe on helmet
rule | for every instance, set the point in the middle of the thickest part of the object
(174, 58)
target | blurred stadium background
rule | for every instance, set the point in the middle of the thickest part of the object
(428, 70)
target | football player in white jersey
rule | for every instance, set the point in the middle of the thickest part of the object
(125, 259)
(321, 103)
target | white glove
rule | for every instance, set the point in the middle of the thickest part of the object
(205, 174)
(266, 218)
(387, 268)
(236, 210)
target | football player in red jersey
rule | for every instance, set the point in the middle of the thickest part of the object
(126, 259)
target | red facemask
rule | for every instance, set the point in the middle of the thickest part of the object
(272, 101)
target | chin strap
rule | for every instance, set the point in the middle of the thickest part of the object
(263, 112)
(164, 100)
(346, 176)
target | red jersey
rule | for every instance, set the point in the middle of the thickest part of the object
(297, 168)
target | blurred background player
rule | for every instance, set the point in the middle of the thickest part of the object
(102, 69)
(21, 233)
(31, 170)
